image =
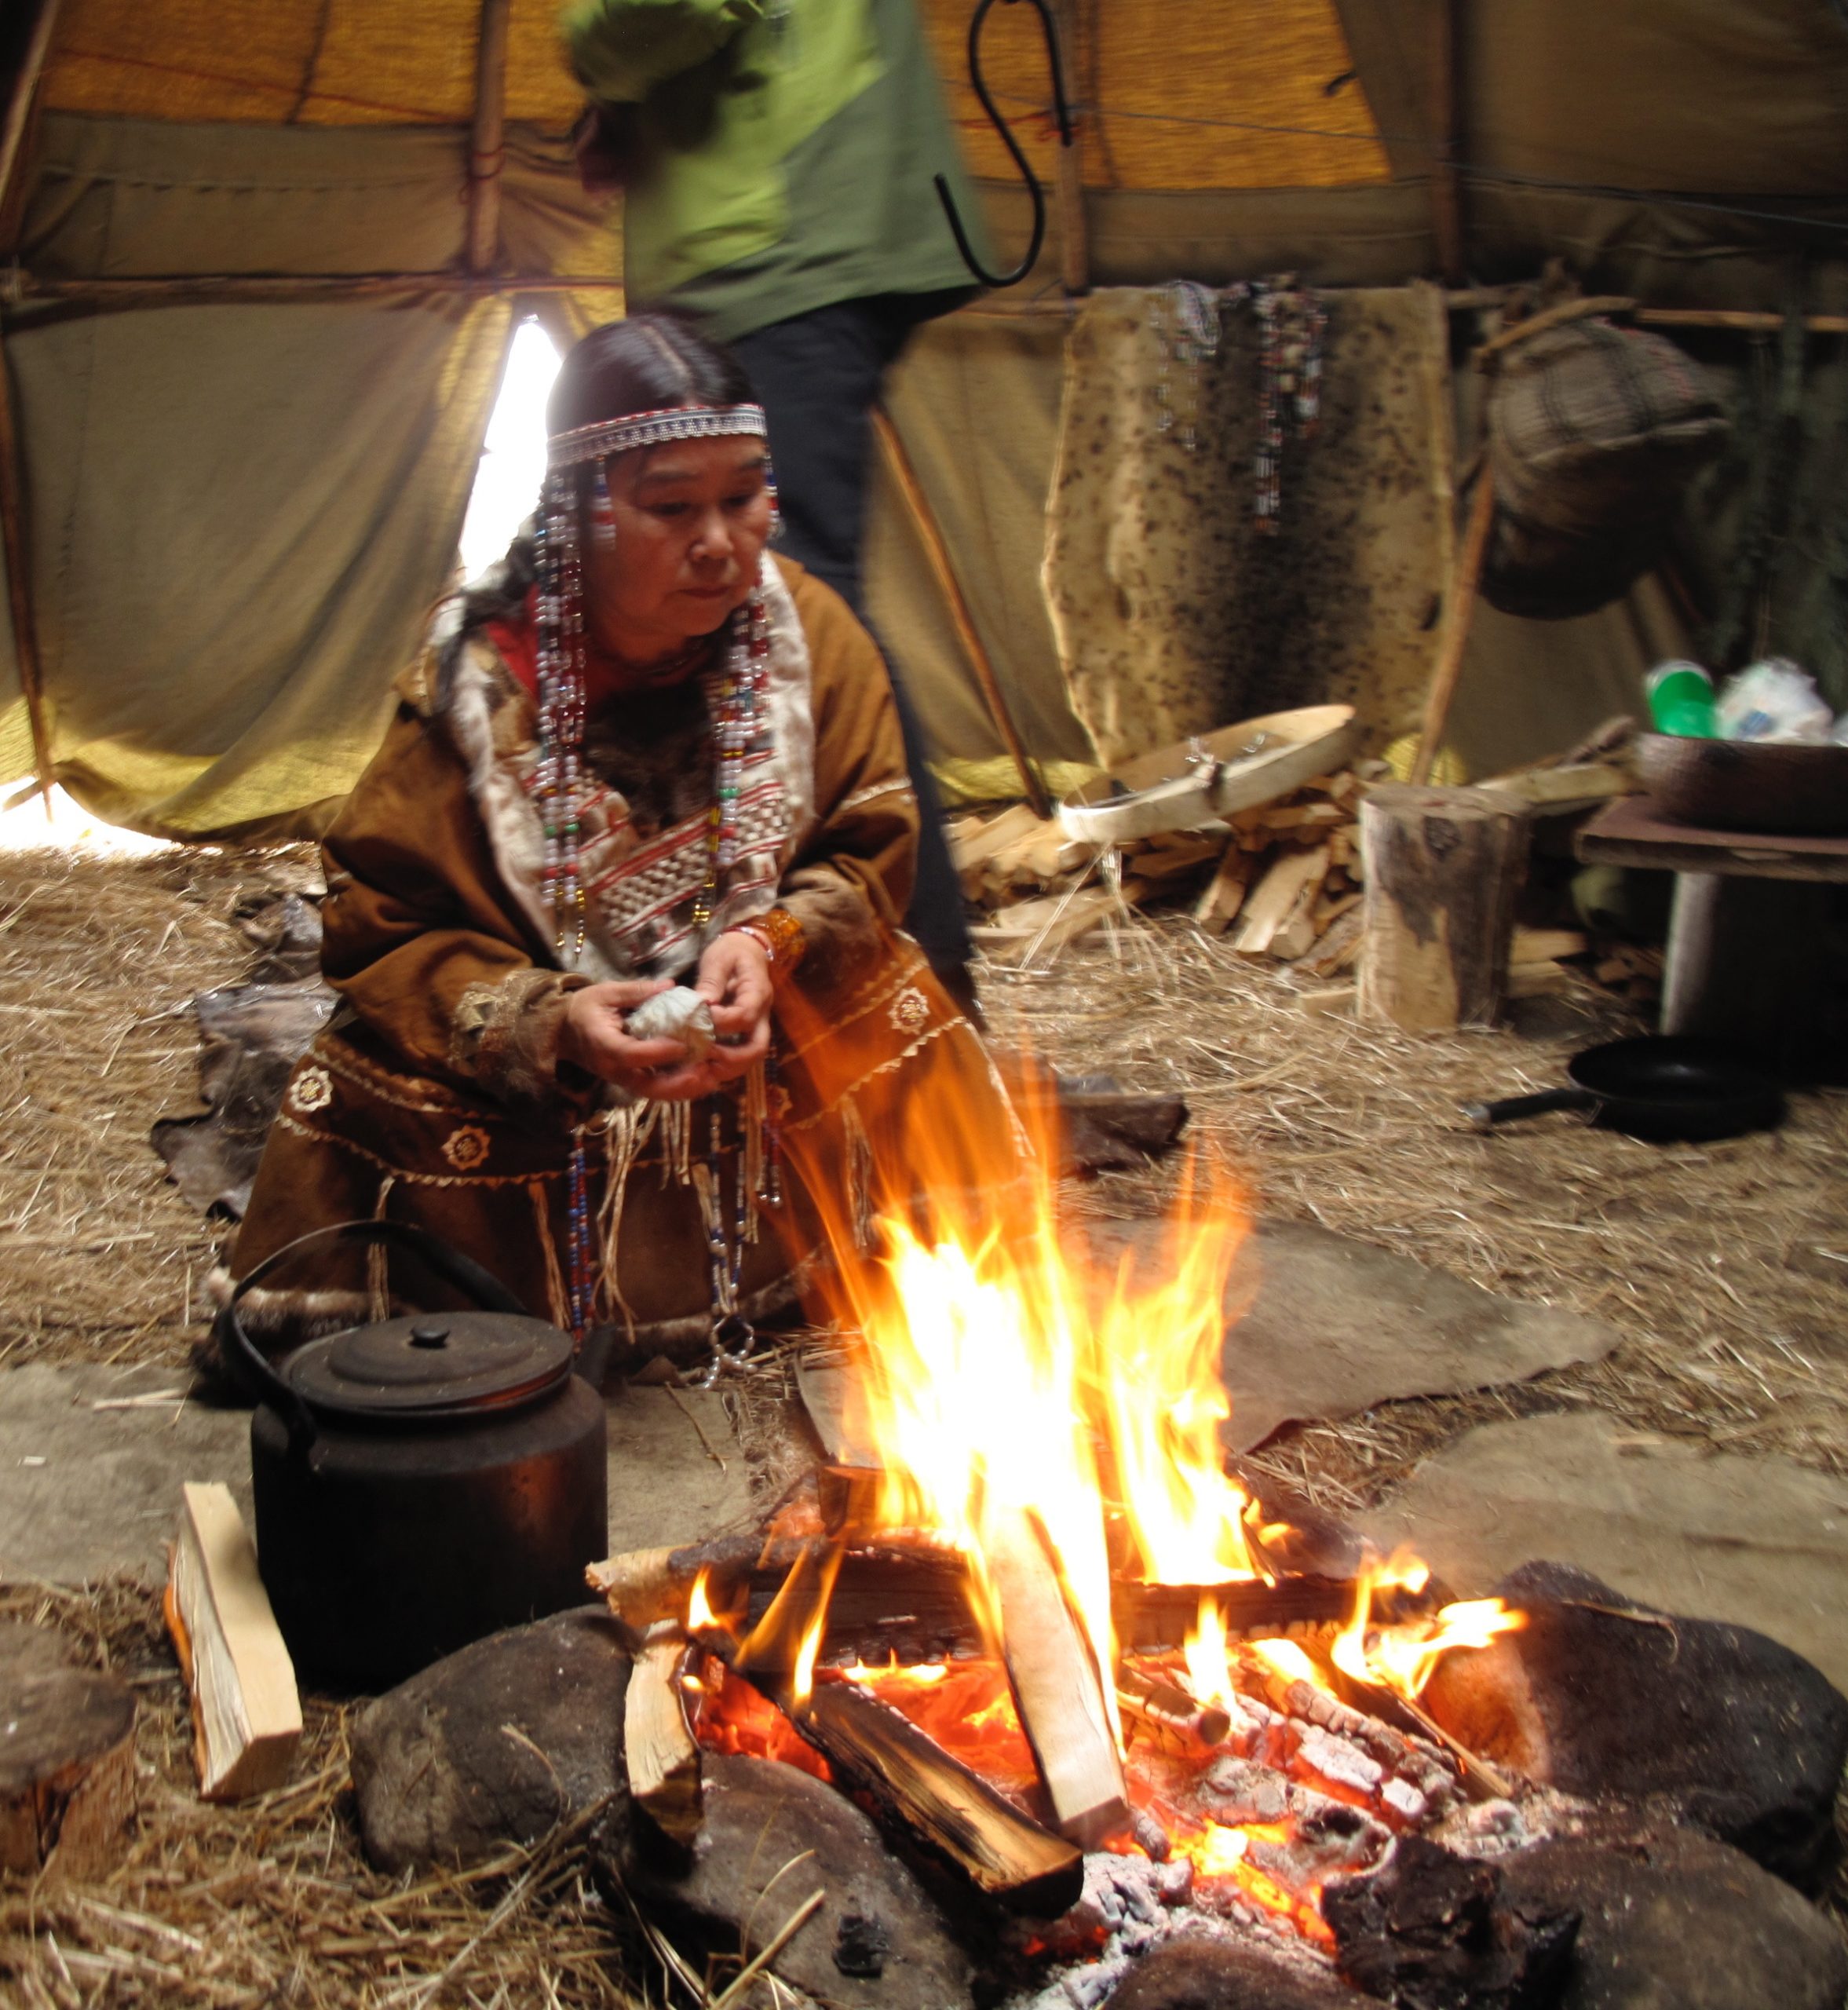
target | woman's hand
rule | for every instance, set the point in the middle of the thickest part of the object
(594, 1038)
(735, 980)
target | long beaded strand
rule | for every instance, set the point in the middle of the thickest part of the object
(740, 685)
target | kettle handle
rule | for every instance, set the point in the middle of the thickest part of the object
(242, 1355)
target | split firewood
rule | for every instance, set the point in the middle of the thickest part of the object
(1545, 945)
(1225, 892)
(1300, 932)
(246, 1715)
(1539, 981)
(1003, 1852)
(1292, 879)
(1557, 789)
(1057, 1690)
(1162, 1707)
(1172, 861)
(970, 855)
(659, 1752)
(1338, 947)
(67, 1761)
(1301, 818)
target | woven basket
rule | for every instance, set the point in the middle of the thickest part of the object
(1594, 432)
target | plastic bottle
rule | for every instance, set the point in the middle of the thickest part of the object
(1681, 700)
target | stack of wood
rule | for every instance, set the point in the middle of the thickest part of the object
(1287, 872)
(1282, 881)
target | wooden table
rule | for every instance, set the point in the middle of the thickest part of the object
(1748, 936)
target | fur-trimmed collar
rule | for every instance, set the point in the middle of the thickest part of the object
(463, 687)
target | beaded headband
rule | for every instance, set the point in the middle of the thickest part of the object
(652, 429)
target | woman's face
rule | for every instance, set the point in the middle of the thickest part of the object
(691, 522)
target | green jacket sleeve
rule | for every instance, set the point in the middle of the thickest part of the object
(621, 50)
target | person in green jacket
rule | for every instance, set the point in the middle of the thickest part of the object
(777, 159)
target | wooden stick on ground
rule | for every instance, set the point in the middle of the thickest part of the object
(246, 1715)
(924, 520)
(1459, 606)
(659, 1751)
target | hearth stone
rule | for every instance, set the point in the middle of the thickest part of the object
(495, 1743)
(877, 1942)
(1433, 1931)
(1194, 1972)
(1681, 1923)
(1710, 1724)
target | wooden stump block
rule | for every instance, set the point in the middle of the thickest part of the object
(66, 1761)
(1443, 866)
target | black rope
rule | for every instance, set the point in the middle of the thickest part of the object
(1061, 111)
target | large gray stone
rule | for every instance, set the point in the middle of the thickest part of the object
(1681, 1923)
(496, 1743)
(89, 1487)
(772, 1836)
(87, 1491)
(1703, 1722)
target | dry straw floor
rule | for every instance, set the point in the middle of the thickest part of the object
(1725, 1266)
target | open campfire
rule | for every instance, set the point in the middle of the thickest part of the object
(1027, 1618)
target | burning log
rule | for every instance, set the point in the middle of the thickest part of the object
(658, 1746)
(1003, 1852)
(1166, 1709)
(1156, 1618)
(907, 1595)
(1057, 1688)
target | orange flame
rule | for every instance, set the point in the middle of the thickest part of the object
(1401, 1657)
(699, 1612)
(1010, 1375)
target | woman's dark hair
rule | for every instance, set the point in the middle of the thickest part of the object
(648, 363)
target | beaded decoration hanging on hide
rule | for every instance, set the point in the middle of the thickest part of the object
(1292, 323)
(735, 698)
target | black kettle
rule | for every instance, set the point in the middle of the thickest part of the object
(422, 1482)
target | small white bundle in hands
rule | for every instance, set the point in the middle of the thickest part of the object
(680, 1014)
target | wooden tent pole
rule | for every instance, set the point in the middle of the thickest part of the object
(1068, 165)
(1447, 202)
(1459, 605)
(12, 531)
(487, 141)
(924, 520)
(25, 88)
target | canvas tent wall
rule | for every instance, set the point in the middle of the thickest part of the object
(239, 499)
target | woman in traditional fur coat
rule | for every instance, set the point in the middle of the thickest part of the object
(642, 752)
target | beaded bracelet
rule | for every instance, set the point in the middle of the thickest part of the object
(778, 933)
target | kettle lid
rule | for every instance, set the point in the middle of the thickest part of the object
(431, 1365)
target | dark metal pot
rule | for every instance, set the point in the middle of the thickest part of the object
(422, 1482)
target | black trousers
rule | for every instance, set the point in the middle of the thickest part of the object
(818, 379)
